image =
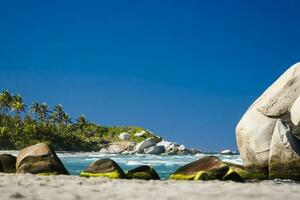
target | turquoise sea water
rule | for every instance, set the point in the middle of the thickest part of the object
(75, 162)
(164, 165)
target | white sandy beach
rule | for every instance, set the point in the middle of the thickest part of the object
(20, 186)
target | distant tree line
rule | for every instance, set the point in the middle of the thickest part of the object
(21, 126)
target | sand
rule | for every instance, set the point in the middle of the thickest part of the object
(20, 186)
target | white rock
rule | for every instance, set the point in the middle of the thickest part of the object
(144, 144)
(140, 134)
(181, 148)
(284, 158)
(280, 96)
(165, 143)
(124, 136)
(226, 152)
(255, 130)
(155, 150)
(295, 112)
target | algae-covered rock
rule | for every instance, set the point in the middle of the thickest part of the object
(104, 168)
(207, 168)
(7, 163)
(39, 159)
(144, 172)
(232, 175)
(245, 174)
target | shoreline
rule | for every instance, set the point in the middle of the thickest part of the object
(28, 186)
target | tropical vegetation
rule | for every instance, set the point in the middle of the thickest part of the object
(22, 125)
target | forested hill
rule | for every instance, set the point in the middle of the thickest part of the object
(22, 125)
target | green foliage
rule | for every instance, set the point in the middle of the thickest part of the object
(19, 129)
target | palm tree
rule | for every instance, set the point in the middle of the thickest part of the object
(18, 105)
(5, 102)
(66, 119)
(58, 114)
(44, 112)
(35, 108)
(81, 122)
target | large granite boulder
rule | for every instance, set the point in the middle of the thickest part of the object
(272, 117)
(155, 150)
(284, 160)
(295, 114)
(104, 168)
(39, 159)
(206, 168)
(7, 163)
(140, 147)
(144, 172)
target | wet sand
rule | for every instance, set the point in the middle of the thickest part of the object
(20, 186)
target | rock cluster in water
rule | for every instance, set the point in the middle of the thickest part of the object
(269, 132)
(152, 145)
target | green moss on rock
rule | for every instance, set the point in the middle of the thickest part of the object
(144, 172)
(232, 176)
(104, 168)
(112, 175)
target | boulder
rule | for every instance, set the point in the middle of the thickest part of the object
(181, 148)
(7, 163)
(149, 142)
(226, 152)
(124, 136)
(164, 143)
(243, 173)
(169, 146)
(284, 161)
(295, 114)
(104, 168)
(255, 130)
(206, 168)
(39, 159)
(144, 172)
(155, 150)
(140, 134)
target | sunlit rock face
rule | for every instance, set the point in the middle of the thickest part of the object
(275, 115)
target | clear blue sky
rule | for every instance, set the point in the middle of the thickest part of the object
(187, 70)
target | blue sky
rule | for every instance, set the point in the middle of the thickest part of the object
(186, 70)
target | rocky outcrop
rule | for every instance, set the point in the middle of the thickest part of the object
(267, 135)
(207, 168)
(104, 168)
(118, 148)
(39, 159)
(144, 172)
(7, 163)
(151, 145)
